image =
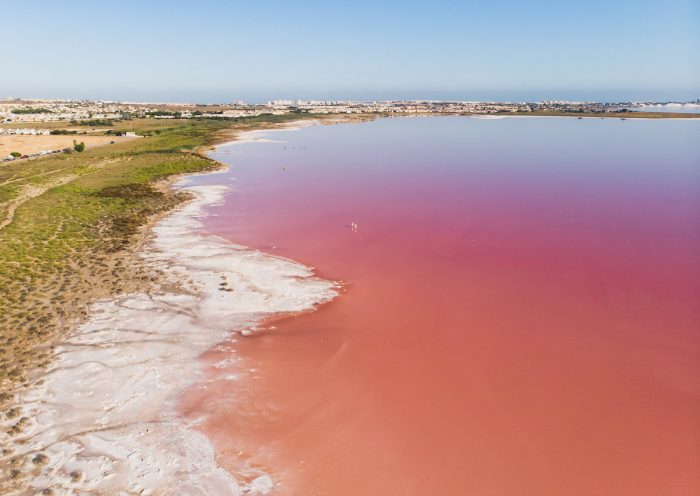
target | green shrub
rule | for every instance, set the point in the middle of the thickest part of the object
(96, 122)
(131, 190)
(31, 110)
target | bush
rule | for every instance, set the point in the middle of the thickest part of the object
(31, 110)
(16, 154)
(97, 122)
(130, 191)
(164, 113)
(79, 147)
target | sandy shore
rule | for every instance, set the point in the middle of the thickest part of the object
(104, 418)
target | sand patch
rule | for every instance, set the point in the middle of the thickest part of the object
(30, 144)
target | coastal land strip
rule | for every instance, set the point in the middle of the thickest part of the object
(74, 231)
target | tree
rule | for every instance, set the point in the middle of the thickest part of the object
(16, 154)
(79, 147)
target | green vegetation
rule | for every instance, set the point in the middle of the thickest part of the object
(164, 113)
(213, 112)
(63, 131)
(31, 110)
(69, 224)
(79, 147)
(112, 132)
(16, 154)
(93, 122)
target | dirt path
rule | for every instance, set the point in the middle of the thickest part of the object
(31, 191)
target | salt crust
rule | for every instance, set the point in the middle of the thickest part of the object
(106, 410)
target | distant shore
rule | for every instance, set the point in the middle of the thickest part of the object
(613, 115)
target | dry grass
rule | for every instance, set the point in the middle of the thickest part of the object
(30, 144)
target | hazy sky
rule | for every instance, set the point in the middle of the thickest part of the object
(256, 50)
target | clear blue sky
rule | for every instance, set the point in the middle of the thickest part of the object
(256, 50)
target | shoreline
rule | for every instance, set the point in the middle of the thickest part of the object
(319, 390)
(166, 306)
(105, 415)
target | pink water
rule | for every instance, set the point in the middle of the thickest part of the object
(520, 315)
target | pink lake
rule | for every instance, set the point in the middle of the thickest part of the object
(520, 312)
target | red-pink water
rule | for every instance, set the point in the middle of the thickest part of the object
(521, 315)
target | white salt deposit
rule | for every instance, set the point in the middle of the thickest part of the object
(105, 415)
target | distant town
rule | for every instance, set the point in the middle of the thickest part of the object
(34, 110)
(60, 123)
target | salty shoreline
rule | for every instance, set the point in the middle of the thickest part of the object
(105, 416)
(473, 320)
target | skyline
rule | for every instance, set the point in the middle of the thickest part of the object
(453, 51)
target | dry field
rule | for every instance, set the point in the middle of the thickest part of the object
(29, 144)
